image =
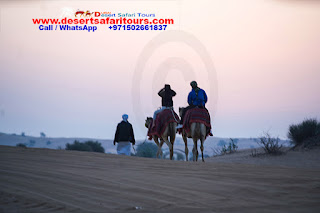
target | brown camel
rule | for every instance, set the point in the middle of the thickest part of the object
(197, 132)
(170, 131)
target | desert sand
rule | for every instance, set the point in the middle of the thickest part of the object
(45, 180)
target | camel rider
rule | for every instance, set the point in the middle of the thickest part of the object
(166, 95)
(124, 136)
(196, 98)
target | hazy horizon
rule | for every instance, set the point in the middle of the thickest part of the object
(264, 76)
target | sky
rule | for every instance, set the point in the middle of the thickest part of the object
(258, 61)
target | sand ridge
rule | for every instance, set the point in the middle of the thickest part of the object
(43, 180)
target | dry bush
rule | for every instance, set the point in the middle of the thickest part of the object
(270, 145)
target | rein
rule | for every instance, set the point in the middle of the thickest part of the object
(174, 115)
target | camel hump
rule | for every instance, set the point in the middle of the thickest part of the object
(197, 115)
(163, 119)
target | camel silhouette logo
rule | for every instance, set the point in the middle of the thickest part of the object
(82, 13)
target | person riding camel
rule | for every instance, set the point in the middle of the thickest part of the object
(196, 98)
(166, 95)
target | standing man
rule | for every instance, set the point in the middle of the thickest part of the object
(124, 136)
(196, 98)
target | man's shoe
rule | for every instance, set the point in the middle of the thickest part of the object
(179, 126)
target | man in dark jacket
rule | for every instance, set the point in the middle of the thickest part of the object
(166, 95)
(124, 136)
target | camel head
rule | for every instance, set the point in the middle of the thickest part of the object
(180, 111)
(148, 122)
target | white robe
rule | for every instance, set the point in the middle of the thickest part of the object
(124, 148)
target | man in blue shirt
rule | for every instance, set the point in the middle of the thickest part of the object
(196, 98)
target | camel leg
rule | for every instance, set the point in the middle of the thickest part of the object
(195, 149)
(172, 138)
(202, 138)
(186, 150)
(201, 147)
(165, 138)
(197, 156)
(161, 143)
(194, 128)
(156, 140)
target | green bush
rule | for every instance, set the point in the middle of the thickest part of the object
(32, 143)
(89, 146)
(21, 145)
(147, 150)
(299, 133)
(180, 156)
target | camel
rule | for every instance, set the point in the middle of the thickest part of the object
(79, 12)
(197, 132)
(170, 131)
(87, 13)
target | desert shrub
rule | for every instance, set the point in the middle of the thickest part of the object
(311, 142)
(95, 146)
(23, 134)
(299, 133)
(89, 146)
(180, 156)
(270, 145)
(21, 145)
(232, 147)
(191, 156)
(48, 142)
(148, 150)
(42, 135)
(234, 140)
(32, 143)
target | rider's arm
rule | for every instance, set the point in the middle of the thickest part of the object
(133, 141)
(161, 93)
(205, 96)
(116, 135)
(173, 93)
(190, 101)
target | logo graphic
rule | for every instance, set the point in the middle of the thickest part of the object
(170, 63)
(82, 13)
(79, 12)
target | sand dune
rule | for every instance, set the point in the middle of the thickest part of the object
(43, 180)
